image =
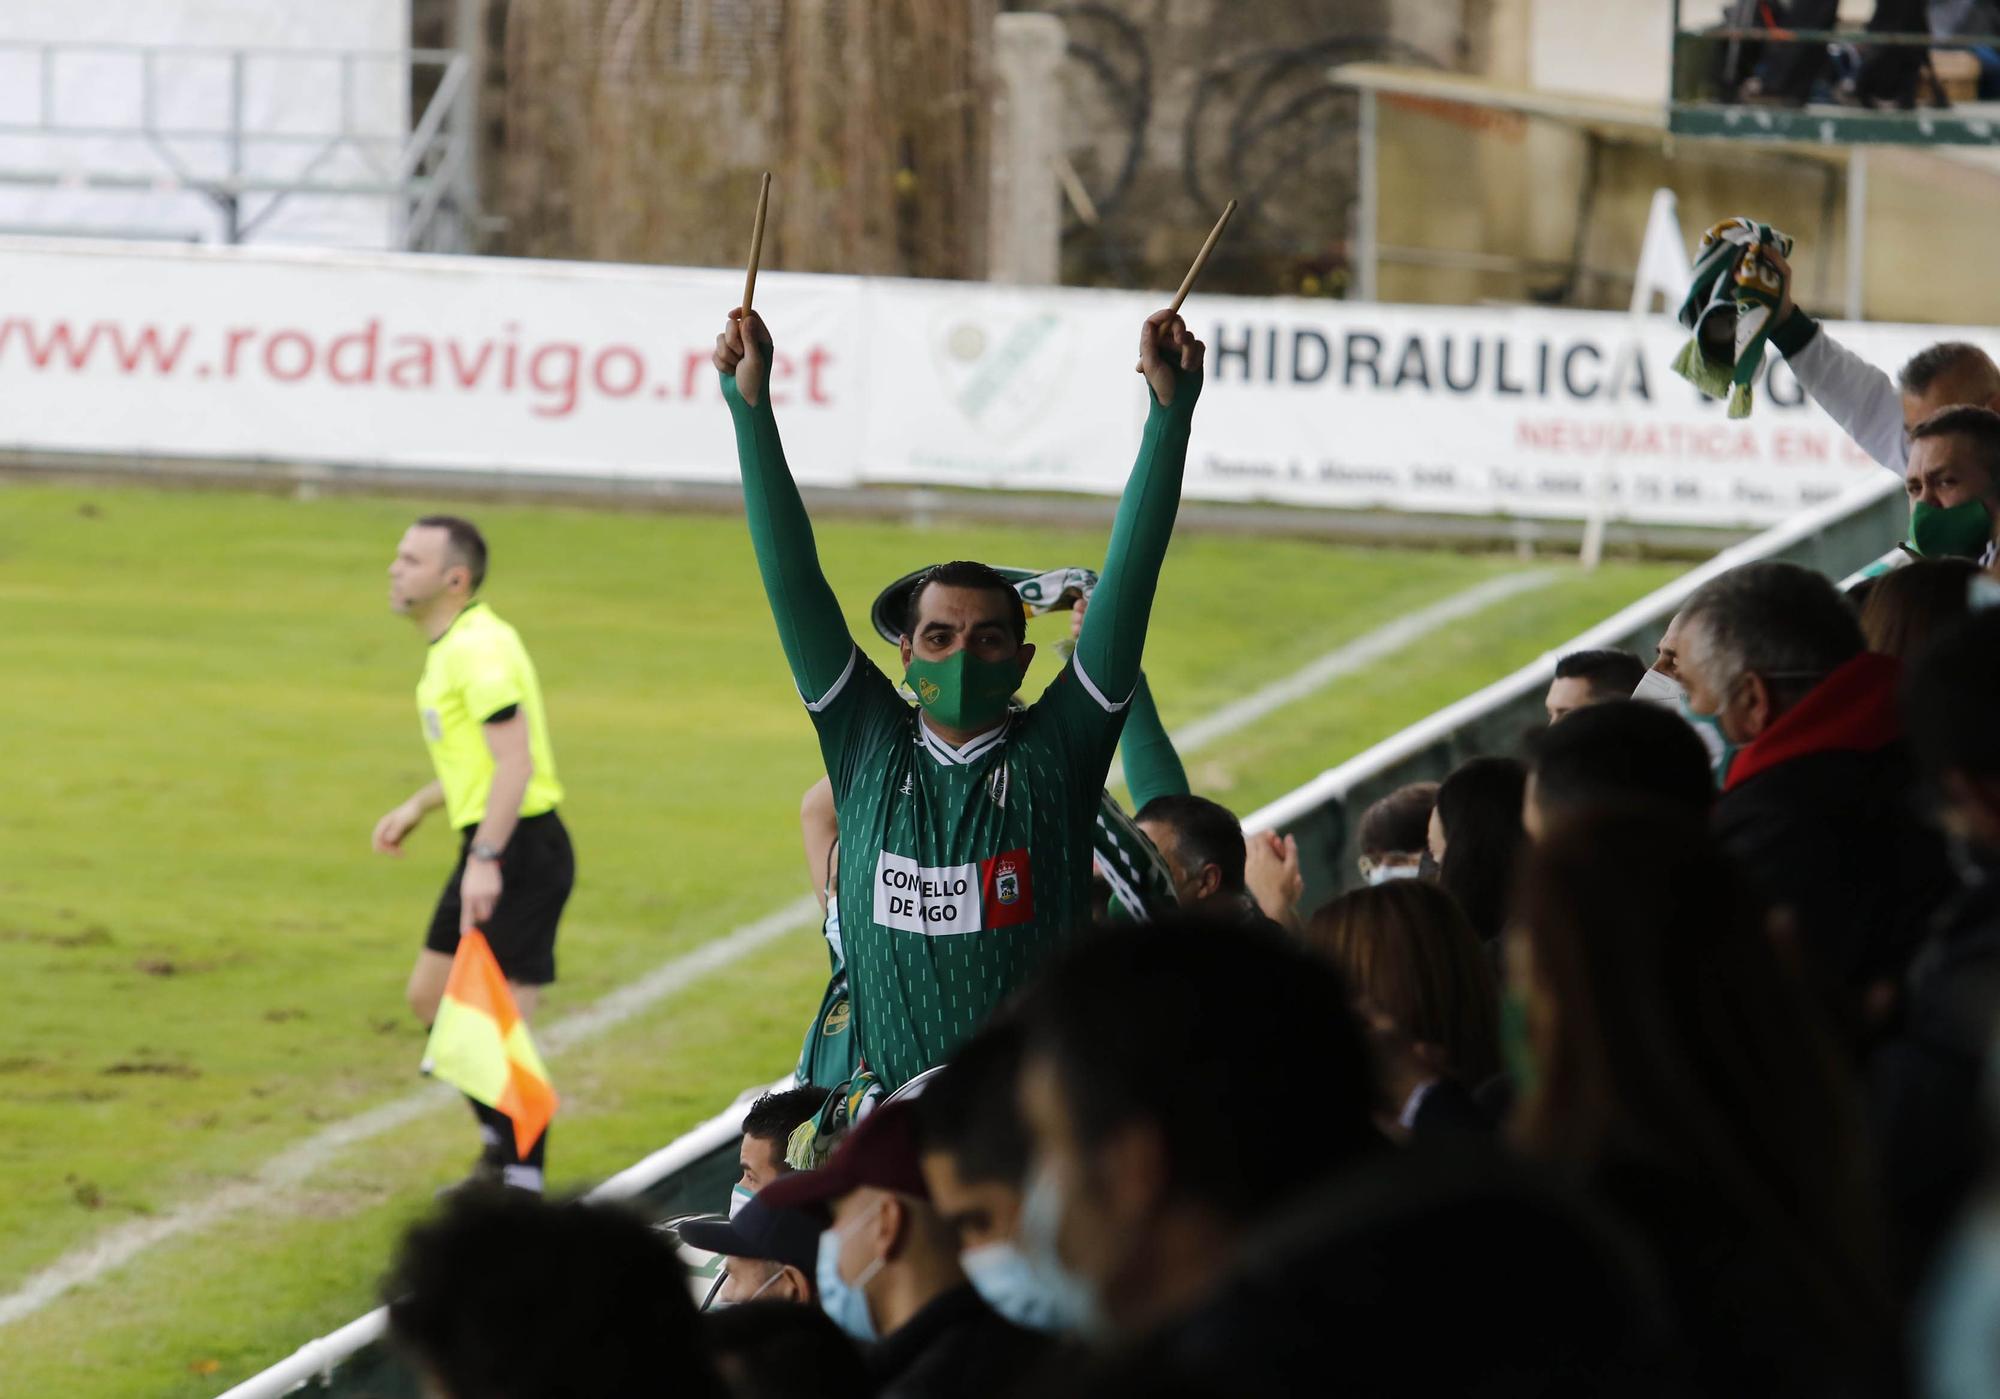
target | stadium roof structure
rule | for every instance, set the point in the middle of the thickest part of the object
(1840, 141)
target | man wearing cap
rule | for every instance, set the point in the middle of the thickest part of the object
(965, 828)
(888, 1270)
(771, 1252)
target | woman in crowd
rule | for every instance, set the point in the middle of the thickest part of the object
(1475, 837)
(1427, 987)
(1670, 1059)
(1905, 607)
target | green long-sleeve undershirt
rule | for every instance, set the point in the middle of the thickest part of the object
(811, 628)
(1152, 767)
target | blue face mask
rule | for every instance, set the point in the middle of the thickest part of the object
(739, 1196)
(1074, 1300)
(1013, 1286)
(845, 1302)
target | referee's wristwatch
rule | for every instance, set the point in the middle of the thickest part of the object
(484, 850)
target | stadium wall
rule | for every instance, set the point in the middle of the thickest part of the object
(600, 373)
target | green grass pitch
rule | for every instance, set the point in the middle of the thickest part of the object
(207, 704)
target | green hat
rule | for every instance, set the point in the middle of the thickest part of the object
(1056, 590)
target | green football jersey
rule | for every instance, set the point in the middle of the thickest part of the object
(960, 869)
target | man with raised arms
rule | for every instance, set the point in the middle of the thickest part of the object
(965, 851)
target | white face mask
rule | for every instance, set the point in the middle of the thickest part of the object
(1383, 874)
(1657, 687)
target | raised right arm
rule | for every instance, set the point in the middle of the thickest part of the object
(812, 630)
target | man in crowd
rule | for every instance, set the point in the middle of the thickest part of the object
(772, 1253)
(767, 1128)
(1585, 678)
(1610, 754)
(480, 705)
(1816, 797)
(965, 828)
(1141, 1200)
(975, 1159)
(1954, 484)
(888, 1270)
(1924, 1082)
(1204, 848)
(1395, 832)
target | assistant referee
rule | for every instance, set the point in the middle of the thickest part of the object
(488, 734)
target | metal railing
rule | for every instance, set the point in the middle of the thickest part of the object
(424, 173)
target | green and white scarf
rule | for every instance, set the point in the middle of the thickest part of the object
(1729, 308)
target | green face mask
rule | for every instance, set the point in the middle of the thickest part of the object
(961, 691)
(1961, 532)
(1515, 1046)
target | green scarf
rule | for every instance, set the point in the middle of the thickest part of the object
(1729, 307)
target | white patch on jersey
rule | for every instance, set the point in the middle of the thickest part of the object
(909, 784)
(433, 726)
(996, 786)
(936, 902)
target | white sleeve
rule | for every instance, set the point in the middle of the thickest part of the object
(1856, 395)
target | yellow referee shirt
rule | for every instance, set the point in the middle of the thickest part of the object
(477, 669)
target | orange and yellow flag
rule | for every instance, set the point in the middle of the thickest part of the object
(480, 1045)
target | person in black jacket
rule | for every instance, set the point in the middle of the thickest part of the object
(889, 1274)
(1923, 1081)
(1817, 802)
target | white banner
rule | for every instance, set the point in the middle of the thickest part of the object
(603, 371)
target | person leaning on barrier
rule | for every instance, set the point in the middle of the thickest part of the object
(1817, 789)
(965, 828)
(1584, 678)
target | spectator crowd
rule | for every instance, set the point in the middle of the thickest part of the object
(1648, 1059)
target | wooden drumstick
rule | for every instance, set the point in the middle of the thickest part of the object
(1201, 258)
(757, 242)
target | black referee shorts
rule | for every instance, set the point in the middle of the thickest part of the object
(537, 871)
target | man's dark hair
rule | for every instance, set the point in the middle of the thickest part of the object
(1609, 672)
(1198, 1029)
(1400, 823)
(1620, 752)
(465, 542)
(1205, 832)
(1785, 622)
(964, 573)
(967, 1110)
(1980, 426)
(773, 1117)
(1951, 700)
(1933, 362)
(781, 1350)
(1479, 806)
(478, 1290)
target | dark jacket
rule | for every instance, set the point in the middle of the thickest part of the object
(1820, 812)
(956, 1345)
(1924, 1110)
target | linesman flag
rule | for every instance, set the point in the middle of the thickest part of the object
(480, 1045)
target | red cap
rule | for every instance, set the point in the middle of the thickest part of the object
(881, 1151)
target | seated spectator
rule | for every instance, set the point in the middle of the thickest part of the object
(772, 1350)
(1816, 803)
(767, 1128)
(888, 1270)
(1584, 678)
(1671, 1059)
(1204, 848)
(1625, 752)
(1907, 605)
(1924, 1081)
(1138, 1194)
(772, 1253)
(1411, 958)
(1475, 835)
(974, 1153)
(502, 1294)
(1427, 1275)
(1394, 833)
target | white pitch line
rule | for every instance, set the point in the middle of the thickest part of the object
(1357, 654)
(117, 1247)
(289, 1168)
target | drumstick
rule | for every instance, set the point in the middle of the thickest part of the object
(756, 242)
(1201, 258)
